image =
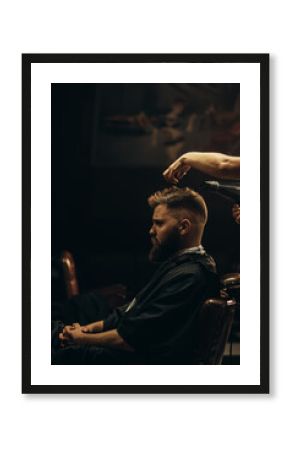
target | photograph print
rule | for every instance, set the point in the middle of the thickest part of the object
(146, 239)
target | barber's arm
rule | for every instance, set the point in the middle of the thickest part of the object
(75, 334)
(214, 164)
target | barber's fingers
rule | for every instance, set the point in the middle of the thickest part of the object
(236, 210)
(236, 213)
(170, 173)
(176, 171)
(181, 171)
(171, 178)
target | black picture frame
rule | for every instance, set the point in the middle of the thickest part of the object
(263, 61)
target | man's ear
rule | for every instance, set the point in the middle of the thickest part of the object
(184, 226)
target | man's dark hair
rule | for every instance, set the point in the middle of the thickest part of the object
(180, 198)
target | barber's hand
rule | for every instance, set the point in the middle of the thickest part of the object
(71, 334)
(236, 213)
(177, 170)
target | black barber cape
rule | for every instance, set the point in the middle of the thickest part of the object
(159, 323)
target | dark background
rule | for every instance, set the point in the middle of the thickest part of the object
(110, 144)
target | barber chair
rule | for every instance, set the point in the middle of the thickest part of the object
(231, 285)
(214, 322)
(213, 327)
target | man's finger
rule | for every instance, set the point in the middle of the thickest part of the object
(67, 329)
(62, 337)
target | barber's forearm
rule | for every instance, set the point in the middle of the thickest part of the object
(110, 339)
(214, 164)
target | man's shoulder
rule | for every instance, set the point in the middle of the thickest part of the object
(194, 261)
(189, 266)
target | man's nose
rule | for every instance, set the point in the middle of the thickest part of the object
(151, 231)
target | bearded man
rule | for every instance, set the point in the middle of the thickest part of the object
(157, 326)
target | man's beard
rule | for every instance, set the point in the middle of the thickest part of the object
(162, 251)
